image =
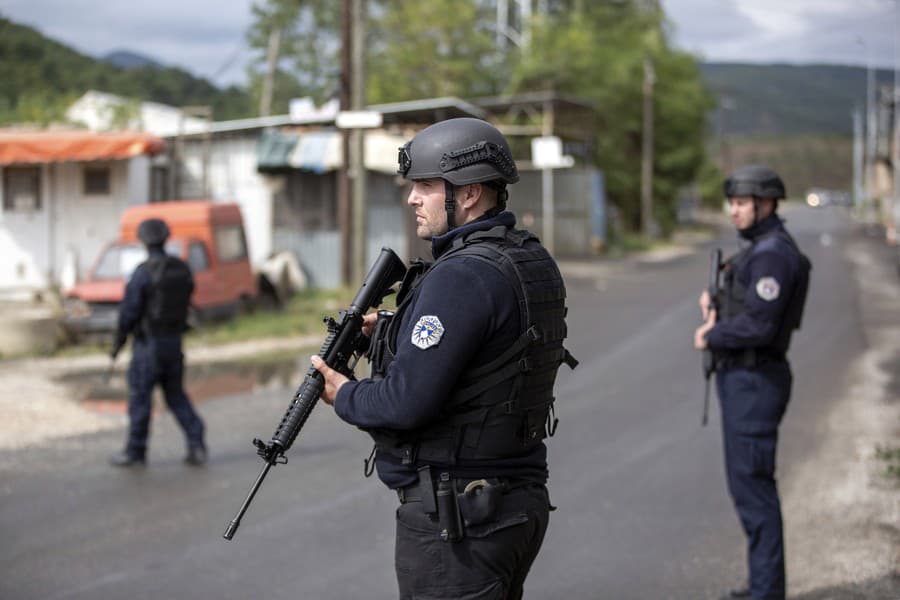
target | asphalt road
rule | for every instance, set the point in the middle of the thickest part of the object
(642, 506)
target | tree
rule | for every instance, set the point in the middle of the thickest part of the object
(432, 49)
(596, 51)
(307, 63)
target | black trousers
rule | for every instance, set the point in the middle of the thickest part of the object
(753, 404)
(489, 563)
(158, 361)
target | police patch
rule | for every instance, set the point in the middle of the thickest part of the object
(427, 332)
(767, 288)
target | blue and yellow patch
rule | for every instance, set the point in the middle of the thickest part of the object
(427, 332)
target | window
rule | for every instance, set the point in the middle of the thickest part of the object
(96, 181)
(230, 244)
(120, 260)
(198, 260)
(22, 189)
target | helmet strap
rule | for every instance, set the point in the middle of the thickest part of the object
(450, 204)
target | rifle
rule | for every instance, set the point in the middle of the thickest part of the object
(709, 361)
(345, 342)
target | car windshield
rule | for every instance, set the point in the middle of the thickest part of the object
(120, 261)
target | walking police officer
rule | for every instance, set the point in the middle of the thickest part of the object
(154, 311)
(463, 375)
(763, 294)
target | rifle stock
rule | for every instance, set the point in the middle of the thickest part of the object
(344, 343)
(709, 361)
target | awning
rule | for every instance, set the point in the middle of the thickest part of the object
(321, 151)
(37, 147)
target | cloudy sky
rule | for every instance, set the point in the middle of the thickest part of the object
(207, 37)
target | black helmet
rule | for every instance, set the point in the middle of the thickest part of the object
(461, 151)
(153, 232)
(754, 180)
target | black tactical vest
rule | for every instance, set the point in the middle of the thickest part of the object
(734, 292)
(484, 419)
(166, 308)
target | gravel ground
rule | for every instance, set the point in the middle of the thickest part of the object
(842, 514)
(49, 412)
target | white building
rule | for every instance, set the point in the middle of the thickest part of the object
(61, 197)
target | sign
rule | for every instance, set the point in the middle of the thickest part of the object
(358, 119)
(546, 153)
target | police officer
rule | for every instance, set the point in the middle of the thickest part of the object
(763, 294)
(462, 390)
(154, 311)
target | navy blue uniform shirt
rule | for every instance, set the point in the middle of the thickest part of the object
(136, 291)
(478, 310)
(769, 274)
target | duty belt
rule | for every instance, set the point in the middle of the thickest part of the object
(417, 492)
(748, 358)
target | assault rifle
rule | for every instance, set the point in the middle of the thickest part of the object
(345, 343)
(709, 361)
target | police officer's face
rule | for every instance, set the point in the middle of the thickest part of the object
(427, 199)
(742, 210)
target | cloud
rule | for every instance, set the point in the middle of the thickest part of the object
(798, 31)
(200, 35)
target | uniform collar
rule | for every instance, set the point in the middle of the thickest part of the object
(441, 243)
(757, 230)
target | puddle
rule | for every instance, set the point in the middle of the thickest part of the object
(101, 392)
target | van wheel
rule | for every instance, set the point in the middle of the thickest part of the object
(247, 305)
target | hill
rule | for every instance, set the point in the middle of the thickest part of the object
(783, 99)
(130, 60)
(40, 77)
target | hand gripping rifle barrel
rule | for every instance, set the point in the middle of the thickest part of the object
(709, 361)
(345, 340)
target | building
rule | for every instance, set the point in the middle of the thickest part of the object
(62, 193)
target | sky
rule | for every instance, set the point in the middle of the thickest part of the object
(208, 37)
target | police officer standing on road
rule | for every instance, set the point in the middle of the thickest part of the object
(154, 311)
(463, 375)
(763, 294)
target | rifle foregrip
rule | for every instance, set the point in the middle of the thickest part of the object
(304, 401)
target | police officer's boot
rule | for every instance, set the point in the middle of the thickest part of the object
(741, 592)
(126, 459)
(196, 456)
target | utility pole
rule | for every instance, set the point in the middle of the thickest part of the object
(894, 146)
(871, 131)
(265, 102)
(358, 160)
(343, 183)
(647, 224)
(858, 159)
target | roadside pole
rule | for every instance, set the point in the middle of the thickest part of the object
(546, 154)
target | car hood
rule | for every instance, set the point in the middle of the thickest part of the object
(107, 290)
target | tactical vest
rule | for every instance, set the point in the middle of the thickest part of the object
(485, 419)
(734, 292)
(166, 308)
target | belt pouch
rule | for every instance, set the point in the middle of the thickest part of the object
(480, 502)
(448, 510)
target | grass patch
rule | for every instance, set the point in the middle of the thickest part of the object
(302, 315)
(891, 456)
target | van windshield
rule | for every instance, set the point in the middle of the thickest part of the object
(120, 261)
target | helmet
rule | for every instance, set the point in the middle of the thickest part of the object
(754, 180)
(461, 151)
(153, 232)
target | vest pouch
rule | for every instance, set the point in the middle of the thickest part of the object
(480, 502)
(536, 426)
